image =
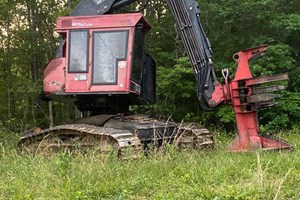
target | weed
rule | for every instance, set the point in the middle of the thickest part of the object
(170, 174)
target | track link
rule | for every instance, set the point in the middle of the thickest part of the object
(191, 137)
(82, 137)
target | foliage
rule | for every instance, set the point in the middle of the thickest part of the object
(285, 116)
(176, 88)
(28, 42)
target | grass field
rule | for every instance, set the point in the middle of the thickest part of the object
(173, 174)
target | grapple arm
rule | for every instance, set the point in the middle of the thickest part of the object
(197, 46)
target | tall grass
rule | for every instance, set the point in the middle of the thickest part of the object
(171, 174)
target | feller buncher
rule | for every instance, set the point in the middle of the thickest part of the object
(101, 67)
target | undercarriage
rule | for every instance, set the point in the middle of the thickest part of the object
(125, 136)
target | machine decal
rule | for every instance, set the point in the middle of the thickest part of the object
(82, 24)
(80, 77)
(99, 1)
(122, 64)
(55, 83)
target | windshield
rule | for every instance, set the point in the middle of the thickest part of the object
(109, 47)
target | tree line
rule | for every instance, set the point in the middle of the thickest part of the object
(28, 42)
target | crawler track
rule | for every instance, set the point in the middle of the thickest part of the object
(82, 137)
(127, 137)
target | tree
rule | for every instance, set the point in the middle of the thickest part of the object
(28, 42)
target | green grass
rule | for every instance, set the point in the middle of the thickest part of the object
(174, 174)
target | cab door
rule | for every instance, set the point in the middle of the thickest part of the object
(78, 64)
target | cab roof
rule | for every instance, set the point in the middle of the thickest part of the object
(101, 21)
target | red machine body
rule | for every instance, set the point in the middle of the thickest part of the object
(100, 59)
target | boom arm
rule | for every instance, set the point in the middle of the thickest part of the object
(197, 45)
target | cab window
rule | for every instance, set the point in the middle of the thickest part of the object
(78, 51)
